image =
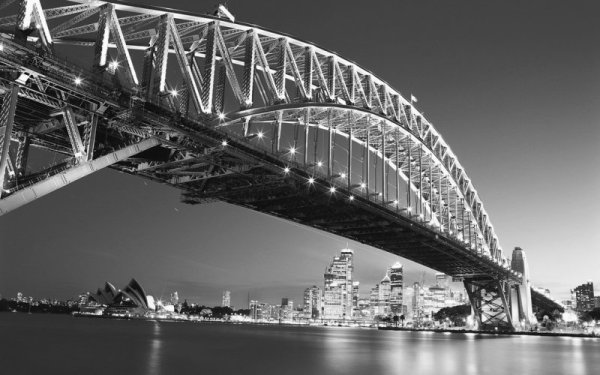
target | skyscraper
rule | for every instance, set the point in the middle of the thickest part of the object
(380, 297)
(396, 287)
(355, 297)
(584, 296)
(337, 293)
(226, 302)
(312, 302)
(384, 295)
(174, 298)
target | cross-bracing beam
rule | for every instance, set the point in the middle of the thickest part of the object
(62, 179)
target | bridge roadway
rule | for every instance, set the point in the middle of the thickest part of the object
(196, 140)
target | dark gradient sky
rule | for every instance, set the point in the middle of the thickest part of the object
(513, 86)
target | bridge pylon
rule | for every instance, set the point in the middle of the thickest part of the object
(490, 303)
(499, 304)
(521, 293)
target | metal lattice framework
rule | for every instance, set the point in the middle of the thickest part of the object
(237, 113)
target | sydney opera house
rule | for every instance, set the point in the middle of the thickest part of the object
(129, 301)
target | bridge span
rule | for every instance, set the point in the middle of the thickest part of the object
(224, 110)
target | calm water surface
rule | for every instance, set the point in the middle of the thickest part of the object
(59, 344)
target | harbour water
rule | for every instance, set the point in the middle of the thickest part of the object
(61, 344)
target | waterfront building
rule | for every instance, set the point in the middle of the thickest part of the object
(355, 291)
(355, 297)
(338, 288)
(256, 310)
(131, 300)
(174, 298)
(374, 300)
(584, 297)
(380, 297)
(383, 305)
(286, 308)
(396, 288)
(312, 302)
(417, 301)
(226, 300)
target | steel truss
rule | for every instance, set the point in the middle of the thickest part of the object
(241, 113)
(490, 303)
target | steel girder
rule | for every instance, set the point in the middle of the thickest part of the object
(59, 180)
(299, 86)
(7, 116)
(279, 58)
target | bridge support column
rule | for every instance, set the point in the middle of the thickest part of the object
(490, 304)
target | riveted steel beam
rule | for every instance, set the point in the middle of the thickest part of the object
(7, 116)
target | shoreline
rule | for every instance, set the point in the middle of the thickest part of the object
(505, 333)
(382, 328)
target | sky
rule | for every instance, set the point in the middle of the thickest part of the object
(512, 86)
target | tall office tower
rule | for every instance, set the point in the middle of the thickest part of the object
(355, 297)
(337, 293)
(174, 298)
(374, 301)
(417, 303)
(584, 296)
(312, 301)
(396, 287)
(384, 295)
(255, 310)
(226, 302)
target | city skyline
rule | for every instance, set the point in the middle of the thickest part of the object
(514, 131)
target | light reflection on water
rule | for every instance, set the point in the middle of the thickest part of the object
(38, 343)
(154, 352)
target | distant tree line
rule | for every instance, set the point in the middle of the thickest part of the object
(588, 316)
(218, 312)
(456, 314)
(38, 307)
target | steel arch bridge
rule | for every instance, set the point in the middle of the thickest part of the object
(230, 111)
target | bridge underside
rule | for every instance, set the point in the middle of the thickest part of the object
(358, 219)
(59, 122)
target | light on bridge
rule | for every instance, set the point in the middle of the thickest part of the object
(78, 81)
(343, 175)
(292, 150)
(224, 143)
(351, 198)
(286, 170)
(174, 93)
(260, 135)
(113, 65)
(409, 209)
(221, 116)
(1, 47)
(395, 202)
(332, 190)
(320, 164)
(363, 185)
(311, 180)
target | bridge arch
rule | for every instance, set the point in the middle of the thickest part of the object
(167, 90)
(237, 71)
